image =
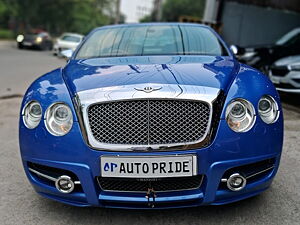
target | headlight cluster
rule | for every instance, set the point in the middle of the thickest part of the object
(32, 114)
(268, 109)
(240, 113)
(20, 38)
(295, 67)
(58, 117)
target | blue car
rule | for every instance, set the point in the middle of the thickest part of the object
(157, 115)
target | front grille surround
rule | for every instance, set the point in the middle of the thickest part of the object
(86, 98)
(155, 128)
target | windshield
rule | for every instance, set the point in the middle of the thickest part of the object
(71, 38)
(288, 37)
(151, 40)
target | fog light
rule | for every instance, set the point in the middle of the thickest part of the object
(236, 182)
(64, 184)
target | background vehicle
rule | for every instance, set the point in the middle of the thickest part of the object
(261, 57)
(38, 39)
(67, 41)
(285, 74)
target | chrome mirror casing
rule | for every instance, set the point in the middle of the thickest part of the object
(234, 49)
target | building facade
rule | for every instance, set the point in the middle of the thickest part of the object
(134, 10)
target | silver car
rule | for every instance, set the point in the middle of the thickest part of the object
(67, 41)
(285, 74)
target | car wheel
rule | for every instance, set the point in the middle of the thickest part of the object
(20, 46)
(46, 47)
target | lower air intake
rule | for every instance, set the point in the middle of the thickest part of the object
(142, 185)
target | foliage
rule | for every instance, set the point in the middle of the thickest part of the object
(173, 9)
(56, 16)
(6, 34)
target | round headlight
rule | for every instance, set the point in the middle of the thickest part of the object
(59, 119)
(32, 114)
(20, 38)
(268, 109)
(240, 115)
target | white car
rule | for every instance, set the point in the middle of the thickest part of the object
(67, 41)
(285, 74)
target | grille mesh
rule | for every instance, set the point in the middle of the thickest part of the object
(163, 184)
(148, 122)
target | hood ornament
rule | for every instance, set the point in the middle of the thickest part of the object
(148, 89)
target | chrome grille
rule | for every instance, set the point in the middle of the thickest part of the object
(149, 122)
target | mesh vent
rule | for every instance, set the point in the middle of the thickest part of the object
(149, 122)
(163, 184)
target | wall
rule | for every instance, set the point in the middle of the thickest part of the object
(248, 25)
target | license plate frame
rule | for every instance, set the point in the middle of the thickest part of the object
(26, 43)
(111, 166)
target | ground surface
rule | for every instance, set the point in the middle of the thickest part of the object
(19, 204)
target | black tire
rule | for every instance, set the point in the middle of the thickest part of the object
(20, 46)
(44, 47)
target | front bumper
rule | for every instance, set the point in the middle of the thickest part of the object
(289, 83)
(228, 150)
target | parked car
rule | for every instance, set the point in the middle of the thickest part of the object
(67, 41)
(261, 57)
(37, 39)
(285, 74)
(151, 115)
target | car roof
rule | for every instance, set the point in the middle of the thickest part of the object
(152, 24)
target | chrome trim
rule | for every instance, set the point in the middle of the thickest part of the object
(47, 176)
(224, 180)
(250, 113)
(239, 188)
(260, 172)
(43, 175)
(273, 103)
(46, 118)
(129, 92)
(64, 177)
(23, 114)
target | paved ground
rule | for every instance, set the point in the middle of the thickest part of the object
(20, 205)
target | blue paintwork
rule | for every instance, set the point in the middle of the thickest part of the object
(228, 149)
(210, 71)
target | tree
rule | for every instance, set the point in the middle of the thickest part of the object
(57, 16)
(173, 9)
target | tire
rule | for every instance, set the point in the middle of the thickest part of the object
(20, 46)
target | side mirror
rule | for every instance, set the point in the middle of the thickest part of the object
(67, 54)
(234, 49)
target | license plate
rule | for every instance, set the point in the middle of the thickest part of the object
(27, 43)
(148, 167)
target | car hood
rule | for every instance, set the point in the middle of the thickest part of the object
(208, 71)
(288, 60)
